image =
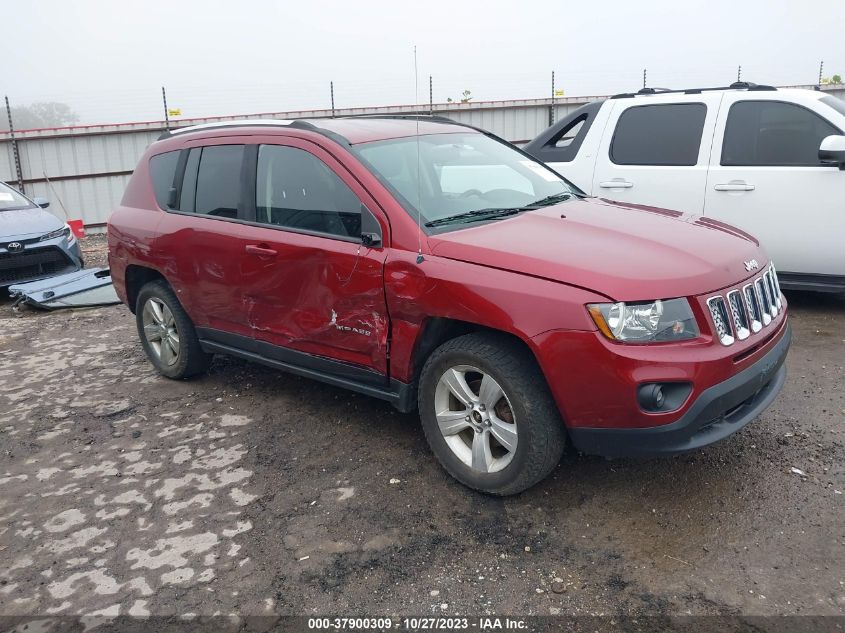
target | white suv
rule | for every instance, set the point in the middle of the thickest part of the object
(770, 161)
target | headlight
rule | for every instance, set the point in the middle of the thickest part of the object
(645, 322)
(62, 232)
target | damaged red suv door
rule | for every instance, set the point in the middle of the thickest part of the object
(309, 283)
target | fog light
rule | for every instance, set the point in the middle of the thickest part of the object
(661, 397)
(651, 397)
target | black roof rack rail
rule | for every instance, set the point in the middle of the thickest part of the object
(313, 124)
(737, 85)
(412, 116)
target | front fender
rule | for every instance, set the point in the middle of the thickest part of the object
(518, 304)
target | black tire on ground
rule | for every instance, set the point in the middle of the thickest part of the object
(191, 359)
(541, 435)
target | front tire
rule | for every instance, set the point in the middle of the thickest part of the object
(488, 414)
(167, 333)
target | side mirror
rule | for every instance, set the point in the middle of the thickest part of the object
(171, 198)
(41, 202)
(832, 150)
(370, 239)
(370, 229)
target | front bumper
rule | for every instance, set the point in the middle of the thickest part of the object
(39, 261)
(718, 412)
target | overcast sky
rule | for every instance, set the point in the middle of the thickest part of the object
(109, 59)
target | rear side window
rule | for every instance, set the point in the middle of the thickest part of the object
(571, 132)
(560, 143)
(217, 181)
(660, 134)
(162, 173)
(296, 190)
(768, 133)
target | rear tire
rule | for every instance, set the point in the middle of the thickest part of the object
(167, 333)
(488, 414)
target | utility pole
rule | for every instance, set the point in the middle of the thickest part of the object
(552, 106)
(821, 70)
(15, 153)
(331, 88)
(166, 114)
(644, 77)
(739, 73)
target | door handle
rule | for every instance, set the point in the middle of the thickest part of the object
(262, 250)
(616, 184)
(734, 185)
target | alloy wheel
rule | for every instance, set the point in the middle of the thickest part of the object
(475, 418)
(160, 331)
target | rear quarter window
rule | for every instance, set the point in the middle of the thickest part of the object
(162, 173)
(659, 134)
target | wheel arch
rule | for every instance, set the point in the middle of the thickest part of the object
(136, 277)
(437, 330)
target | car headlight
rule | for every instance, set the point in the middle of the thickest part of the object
(645, 322)
(62, 232)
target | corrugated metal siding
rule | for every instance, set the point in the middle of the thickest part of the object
(89, 166)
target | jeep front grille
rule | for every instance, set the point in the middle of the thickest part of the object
(741, 313)
(752, 303)
(720, 319)
(763, 294)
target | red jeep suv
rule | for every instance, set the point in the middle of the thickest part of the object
(435, 266)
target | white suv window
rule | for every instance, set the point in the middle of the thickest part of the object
(773, 133)
(659, 134)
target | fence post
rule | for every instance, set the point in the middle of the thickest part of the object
(166, 114)
(430, 95)
(15, 153)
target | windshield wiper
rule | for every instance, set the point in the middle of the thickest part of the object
(495, 213)
(476, 216)
(549, 200)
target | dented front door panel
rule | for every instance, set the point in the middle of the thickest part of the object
(317, 295)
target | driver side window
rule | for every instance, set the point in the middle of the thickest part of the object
(296, 190)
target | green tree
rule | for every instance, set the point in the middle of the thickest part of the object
(466, 95)
(836, 79)
(41, 114)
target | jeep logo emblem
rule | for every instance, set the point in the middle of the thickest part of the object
(14, 247)
(751, 264)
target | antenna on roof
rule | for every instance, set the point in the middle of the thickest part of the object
(419, 174)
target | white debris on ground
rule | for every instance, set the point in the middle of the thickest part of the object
(149, 502)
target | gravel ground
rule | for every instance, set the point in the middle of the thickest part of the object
(254, 492)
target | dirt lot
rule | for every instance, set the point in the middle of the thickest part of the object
(250, 491)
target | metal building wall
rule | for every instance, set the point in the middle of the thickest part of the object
(88, 166)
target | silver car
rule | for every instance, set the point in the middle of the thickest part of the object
(34, 243)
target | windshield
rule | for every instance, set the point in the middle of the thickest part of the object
(460, 174)
(833, 102)
(11, 199)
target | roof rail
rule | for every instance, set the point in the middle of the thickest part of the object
(225, 124)
(411, 116)
(737, 85)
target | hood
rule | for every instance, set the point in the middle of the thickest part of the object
(24, 223)
(625, 252)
